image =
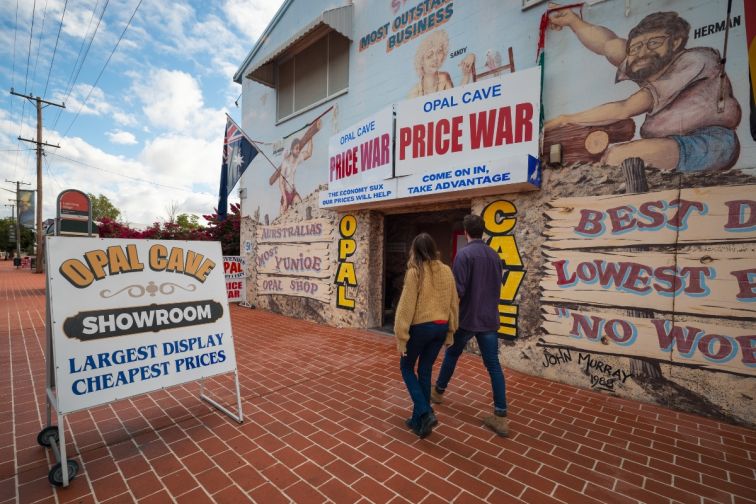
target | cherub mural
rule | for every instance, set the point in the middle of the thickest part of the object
(690, 113)
(300, 150)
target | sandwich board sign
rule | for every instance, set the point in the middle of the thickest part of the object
(235, 270)
(126, 317)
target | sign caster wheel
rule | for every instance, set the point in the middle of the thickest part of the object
(46, 434)
(55, 476)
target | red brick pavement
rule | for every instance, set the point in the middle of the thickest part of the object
(325, 413)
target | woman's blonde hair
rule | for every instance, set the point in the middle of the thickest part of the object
(433, 39)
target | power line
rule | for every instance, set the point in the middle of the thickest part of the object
(137, 179)
(103, 68)
(89, 46)
(50, 172)
(28, 57)
(78, 56)
(60, 27)
(39, 44)
(13, 73)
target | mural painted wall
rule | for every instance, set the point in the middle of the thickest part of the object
(633, 270)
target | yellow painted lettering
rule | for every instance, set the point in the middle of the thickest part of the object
(119, 263)
(506, 247)
(158, 253)
(345, 274)
(342, 301)
(176, 260)
(134, 264)
(346, 248)
(204, 270)
(193, 261)
(507, 330)
(77, 273)
(97, 260)
(347, 226)
(511, 284)
(498, 217)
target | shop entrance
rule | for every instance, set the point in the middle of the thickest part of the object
(444, 226)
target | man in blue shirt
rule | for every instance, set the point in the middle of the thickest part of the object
(477, 271)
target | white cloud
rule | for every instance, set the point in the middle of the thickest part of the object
(173, 100)
(96, 104)
(170, 98)
(121, 137)
(251, 17)
(125, 119)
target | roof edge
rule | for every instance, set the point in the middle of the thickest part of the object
(273, 22)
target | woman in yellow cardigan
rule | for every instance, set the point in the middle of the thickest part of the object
(426, 317)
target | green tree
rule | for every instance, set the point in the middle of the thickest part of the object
(27, 237)
(186, 221)
(103, 207)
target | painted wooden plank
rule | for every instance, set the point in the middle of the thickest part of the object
(301, 259)
(715, 280)
(716, 345)
(697, 215)
(316, 230)
(313, 288)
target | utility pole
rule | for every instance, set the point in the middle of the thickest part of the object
(40, 234)
(18, 207)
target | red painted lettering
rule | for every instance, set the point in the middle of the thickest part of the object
(481, 129)
(590, 223)
(657, 218)
(622, 218)
(683, 338)
(748, 349)
(405, 139)
(725, 346)
(456, 134)
(418, 141)
(442, 130)
(504, 126)
(581, 325)
(741, 215)
(561, 270)
(524, 114)
(746, 284)
(684, 207)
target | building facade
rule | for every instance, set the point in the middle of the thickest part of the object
(629, 250)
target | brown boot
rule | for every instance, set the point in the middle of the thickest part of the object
(498, 424)
(436, 398)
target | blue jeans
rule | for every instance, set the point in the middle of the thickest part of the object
(488, 342)
(423, 346)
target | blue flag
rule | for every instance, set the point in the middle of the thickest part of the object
(238, 152)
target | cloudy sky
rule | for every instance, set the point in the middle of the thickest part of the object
(145, 107)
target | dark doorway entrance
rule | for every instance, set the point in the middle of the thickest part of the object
(444, 226)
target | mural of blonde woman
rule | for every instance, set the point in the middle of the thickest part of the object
(430, 56)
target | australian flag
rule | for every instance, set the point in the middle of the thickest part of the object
(238, 152)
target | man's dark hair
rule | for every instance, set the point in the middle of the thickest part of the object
(294, 144)
(670, 22)
(473, 225)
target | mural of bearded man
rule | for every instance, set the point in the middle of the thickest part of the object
(690, 112)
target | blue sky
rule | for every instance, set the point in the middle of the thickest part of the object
(149, 135)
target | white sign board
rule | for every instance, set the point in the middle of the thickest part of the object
(360, 160)
(479, 135)
(133, 316)
(235, 271)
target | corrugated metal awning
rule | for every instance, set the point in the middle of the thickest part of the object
(338, 19)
